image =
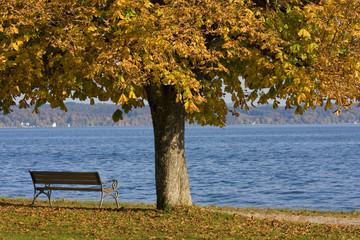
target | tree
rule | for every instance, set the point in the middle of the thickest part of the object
(182, 57)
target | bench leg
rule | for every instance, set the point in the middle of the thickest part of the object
(115, 195)
(48, 194)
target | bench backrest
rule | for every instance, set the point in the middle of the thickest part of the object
(80, 178)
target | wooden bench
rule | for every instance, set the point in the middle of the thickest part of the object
(46, 182)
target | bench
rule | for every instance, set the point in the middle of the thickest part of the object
(45, 182)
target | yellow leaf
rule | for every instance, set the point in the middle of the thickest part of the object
(15, 46)
(187, 93)
(14, 29)
(306, 105)
(132, 94)
(186, 105)
(38, 73)
(19, 42)
(92, 28)
(123, 99)
(307, 89)
(191, 107)
(304, 33)
(300, 98)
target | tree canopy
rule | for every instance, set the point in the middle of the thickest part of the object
(304, 52)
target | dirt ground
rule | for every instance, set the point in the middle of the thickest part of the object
(299, 218)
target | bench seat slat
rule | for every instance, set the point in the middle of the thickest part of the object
(74, 189)
(92, 177)
(68, 181)
(69, 188)
(66, 175)
(61, 173)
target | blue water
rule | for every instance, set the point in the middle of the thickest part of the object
(282, 166)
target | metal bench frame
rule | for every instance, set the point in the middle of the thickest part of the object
(51, 181)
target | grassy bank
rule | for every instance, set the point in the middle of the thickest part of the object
(80, 220)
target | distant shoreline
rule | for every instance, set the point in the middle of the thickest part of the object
(194, 125)
(100, 115)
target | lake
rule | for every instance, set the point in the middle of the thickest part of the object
(280, 166)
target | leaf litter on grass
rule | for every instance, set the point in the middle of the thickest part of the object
(67, 221)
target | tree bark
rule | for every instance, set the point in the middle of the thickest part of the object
(168, 116)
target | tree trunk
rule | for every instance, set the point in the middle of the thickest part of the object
(168, 116)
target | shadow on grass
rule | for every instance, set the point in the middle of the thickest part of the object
(62, 205)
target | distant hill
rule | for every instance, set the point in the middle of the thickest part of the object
(78, 115)
(267, 115)
(85, 115)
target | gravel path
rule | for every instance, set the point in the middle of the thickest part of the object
(299, 218)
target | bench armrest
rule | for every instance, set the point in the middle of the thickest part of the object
(115, 183)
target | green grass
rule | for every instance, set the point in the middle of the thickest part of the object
(83, 220)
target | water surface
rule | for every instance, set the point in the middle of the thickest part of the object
(283, 166)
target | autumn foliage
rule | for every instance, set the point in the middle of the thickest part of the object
(304, 52)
